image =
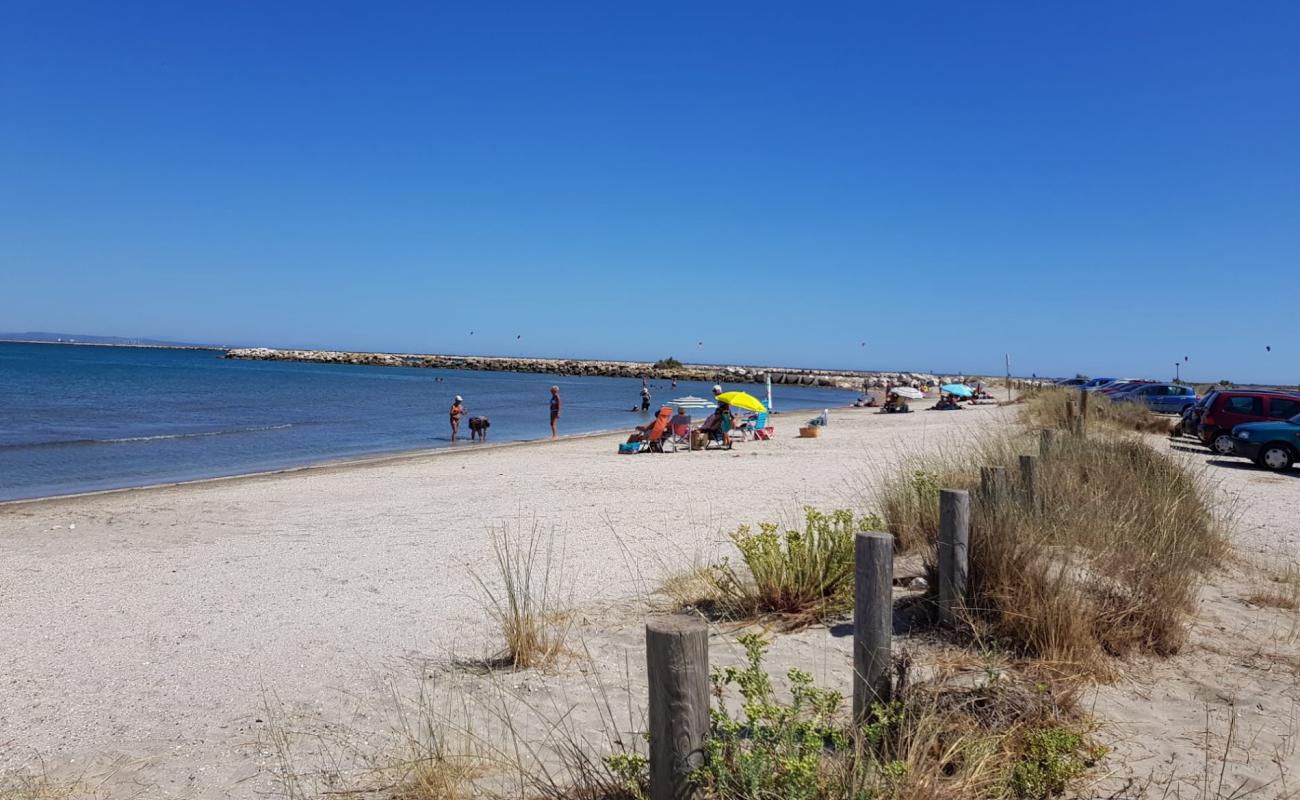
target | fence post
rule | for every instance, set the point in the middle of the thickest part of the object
(873, 620)
(1046, 440)
(1071, 418)
(677, 666)
(993, 481)
(1083, 413)
(1029, 480)
(954, 542)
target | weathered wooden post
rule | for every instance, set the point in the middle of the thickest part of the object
(873, 620)
(993, 482)
(677, 666)
(1083, 413)
(1046, 441)
(954, 543)
(1071, 419)
(1029, 480)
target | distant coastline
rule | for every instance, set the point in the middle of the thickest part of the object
(141, 345)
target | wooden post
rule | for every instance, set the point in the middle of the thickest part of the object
(677, 666)
(873, 620)
(993, 481)
(954, 541)
(1083, 413)
(1046, 440)
(1029, 480)
(1070, 416)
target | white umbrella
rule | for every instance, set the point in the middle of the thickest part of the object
(908, 392)
(690, 401)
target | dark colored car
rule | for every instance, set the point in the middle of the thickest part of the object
(1191, 422)
(1232, 407)
(1272, 445)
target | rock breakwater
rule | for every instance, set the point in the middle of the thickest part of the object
(608, 369)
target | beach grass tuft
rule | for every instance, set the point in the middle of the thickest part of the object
(1047, 408)
(1105, 562)
(528, 601)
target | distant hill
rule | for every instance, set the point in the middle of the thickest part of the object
(82, 338)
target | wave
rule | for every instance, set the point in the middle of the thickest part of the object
(137, 439)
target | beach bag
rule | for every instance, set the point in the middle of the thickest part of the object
(629, 447)
(763, 434)
(699, 440)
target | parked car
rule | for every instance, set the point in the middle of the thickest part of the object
(1191, 422)
(1233, 407)
(1069, 382)
(1166, 398)
(1119, 386)
(1095, 383)
(1272, 445)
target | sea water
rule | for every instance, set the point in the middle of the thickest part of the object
(83, 418)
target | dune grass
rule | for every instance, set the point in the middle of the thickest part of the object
(528, 599)
(1106, 563)
(1046, 408)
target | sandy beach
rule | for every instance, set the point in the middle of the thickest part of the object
(144, 626)
(145, 631)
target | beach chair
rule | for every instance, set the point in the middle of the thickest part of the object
(659, 431)
(750, 426)
(679, 432)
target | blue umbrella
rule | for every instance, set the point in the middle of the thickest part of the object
(957, 389)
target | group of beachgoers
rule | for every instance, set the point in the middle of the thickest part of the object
(478, 425)
(897, 397)
(717, 427)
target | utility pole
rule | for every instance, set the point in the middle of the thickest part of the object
(1177, 377)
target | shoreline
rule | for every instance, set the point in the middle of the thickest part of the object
(342, 463)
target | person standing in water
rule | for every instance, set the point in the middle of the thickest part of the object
(645, 396)
(457, 411)
(555, 409)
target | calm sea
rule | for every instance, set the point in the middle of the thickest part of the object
(75, 419)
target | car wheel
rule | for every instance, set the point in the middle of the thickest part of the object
(1276, 457)
(1222, 443)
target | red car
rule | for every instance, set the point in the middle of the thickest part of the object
(1232, 407)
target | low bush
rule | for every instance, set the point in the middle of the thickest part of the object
(801, 574)
(1106, 562)
(932, 741)
(668, 363)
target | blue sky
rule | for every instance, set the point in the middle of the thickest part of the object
(1101, 187)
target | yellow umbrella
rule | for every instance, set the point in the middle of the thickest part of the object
(741, 400)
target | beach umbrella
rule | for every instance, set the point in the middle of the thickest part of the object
(690, 401)
(742, 400)
(908, 392)
(957, 389)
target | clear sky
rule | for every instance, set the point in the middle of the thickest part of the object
(1103, 187)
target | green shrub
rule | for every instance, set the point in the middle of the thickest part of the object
(668, 363)
(931, 741)
(798, 572)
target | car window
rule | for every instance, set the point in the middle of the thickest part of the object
(1250, 406)
(1283, 407)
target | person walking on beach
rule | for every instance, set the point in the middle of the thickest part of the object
(555, 409)
(457, 411)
